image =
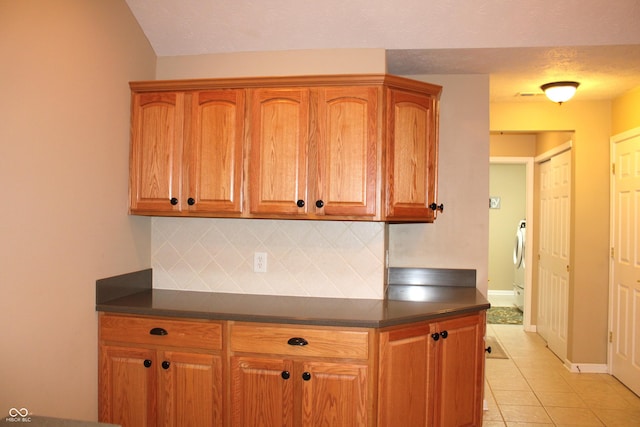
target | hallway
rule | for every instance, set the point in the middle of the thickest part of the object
(533, 388)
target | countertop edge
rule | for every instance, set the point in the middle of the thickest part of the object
(376, 314)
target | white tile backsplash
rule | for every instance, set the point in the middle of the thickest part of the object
(342, 259)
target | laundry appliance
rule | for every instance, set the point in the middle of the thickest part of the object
(519, 249)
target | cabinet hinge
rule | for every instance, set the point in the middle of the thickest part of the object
(613, 252)
(613, 168)
(610, 336)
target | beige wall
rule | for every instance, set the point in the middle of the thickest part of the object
(512, 144)
(625, 112)
(64, 166)
(281, 63)
(590, 226)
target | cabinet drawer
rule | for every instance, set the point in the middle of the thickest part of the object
(160, 331)
(300, 341)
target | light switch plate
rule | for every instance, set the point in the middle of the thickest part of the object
(494, 202)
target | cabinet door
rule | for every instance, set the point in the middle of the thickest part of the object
(262, 392)
(215, 148)
(347, 151)
(127, 386)
(405, 378)
(460, 371)
(190, 389)
(334, 394)
(278, 156)
(156, 152)
(411, 155)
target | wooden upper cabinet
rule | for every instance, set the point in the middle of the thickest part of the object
(214, 150)
(411, 146)
(186, 152)
(348, 141)
(279, 147)
(360, 147)
(314, 151)
(157, 125)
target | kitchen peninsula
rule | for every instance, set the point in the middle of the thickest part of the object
(224, 359)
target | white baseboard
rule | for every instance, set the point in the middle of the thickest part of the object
(498, 292)
(587, 368)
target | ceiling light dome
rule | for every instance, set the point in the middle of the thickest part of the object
(560, 91)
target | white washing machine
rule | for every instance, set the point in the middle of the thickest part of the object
(519, 264)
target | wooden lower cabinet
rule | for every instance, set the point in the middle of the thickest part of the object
(142, 384)
(432, 373)
(428, 373)
(300, 376)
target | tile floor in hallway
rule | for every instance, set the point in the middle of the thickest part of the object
(533, 388)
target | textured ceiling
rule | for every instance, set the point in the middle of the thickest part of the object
(521, 45)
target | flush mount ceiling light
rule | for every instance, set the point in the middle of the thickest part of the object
(560, 91)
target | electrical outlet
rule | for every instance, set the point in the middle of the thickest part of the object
(260, 262)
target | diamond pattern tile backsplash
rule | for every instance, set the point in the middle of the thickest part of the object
(304, 258)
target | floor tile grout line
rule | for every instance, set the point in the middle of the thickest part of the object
(535, 393)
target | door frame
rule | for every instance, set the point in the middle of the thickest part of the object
(528, 255)
(631, 133)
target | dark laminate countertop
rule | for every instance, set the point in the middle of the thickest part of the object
(369, 313)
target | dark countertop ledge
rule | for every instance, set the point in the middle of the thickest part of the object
(367, 313)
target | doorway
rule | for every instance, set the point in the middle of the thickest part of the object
(510, 228)
(528, 149)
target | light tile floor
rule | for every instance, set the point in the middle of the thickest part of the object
(533, 388)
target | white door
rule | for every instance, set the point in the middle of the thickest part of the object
(625, 269)
(553, 264)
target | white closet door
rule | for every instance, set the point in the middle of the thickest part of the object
(625, 276)
(553, 264)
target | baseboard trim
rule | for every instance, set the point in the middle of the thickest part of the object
(587, 368)
(498, 292)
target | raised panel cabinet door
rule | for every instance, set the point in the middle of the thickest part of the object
(334, 394)
(157, 125)
(278, 154)
(190, 389)
(411, 155)
(347, 151)
(127, 386)
(405, 377)
(262, 392)
(215, 148)
(460, 371)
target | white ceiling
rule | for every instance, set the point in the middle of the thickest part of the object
(520, 44)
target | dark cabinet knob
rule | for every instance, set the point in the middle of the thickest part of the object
(444, 335)
(306, 376)
(300, 203)
(166, 364)
(285, 375)
(173, 201)
(191, 201)
(158, 331)
(297, 341)
(488, 349)
(147, 363)
(319, 204)
(435, 207)
(435, 336)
